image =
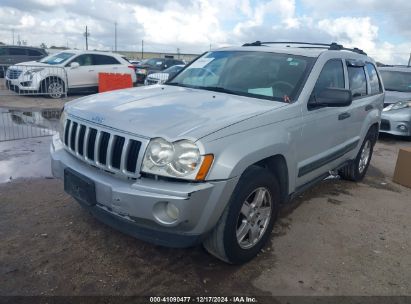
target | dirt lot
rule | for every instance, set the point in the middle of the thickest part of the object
(339, 238)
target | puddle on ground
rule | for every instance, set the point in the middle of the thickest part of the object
(25, 137)
(18, 124)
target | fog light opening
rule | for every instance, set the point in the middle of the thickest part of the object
(172, 211)
(166, 213)
(402, 128)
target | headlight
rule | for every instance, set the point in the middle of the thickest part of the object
(180, 159)
(398, 105)
(32, 72)
(61, 124)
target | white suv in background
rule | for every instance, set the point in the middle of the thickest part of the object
(67, 71)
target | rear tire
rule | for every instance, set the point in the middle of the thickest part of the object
(248, 219)
(356, 169)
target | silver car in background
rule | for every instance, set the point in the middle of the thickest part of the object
(396, 116)
(161, 77)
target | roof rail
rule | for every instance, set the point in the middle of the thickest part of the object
(333, 46)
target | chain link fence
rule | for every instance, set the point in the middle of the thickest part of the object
(34, 80)
(28, 123)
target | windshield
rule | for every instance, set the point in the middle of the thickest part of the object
(57, 58)
(256, 74)
(396, 81)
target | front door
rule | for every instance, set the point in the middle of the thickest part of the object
(323, 135)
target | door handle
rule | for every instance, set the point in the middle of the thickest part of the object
(343, 116)
(368, 108)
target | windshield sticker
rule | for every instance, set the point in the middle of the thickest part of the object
(200, 63)
(289, 59)
(57, 60)
(262, 91)
(294, 63)
(159, 63)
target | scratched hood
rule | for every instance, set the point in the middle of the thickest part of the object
(168, 111)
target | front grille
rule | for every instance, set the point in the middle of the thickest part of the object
(13, 74)
(112, 152)
(385, 125)
(151, 81)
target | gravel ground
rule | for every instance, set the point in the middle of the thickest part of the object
(339, 238)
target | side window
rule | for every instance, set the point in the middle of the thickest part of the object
(2, 51)
(375, 84)
(84, 60)
(34, 53)
(358, 82)
(331, 76)
(103, 60)
(17, 52)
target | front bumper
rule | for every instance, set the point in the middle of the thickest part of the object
(133, 206)
(396, 122)
(24, 83)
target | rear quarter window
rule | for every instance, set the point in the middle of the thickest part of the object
(375, 83)
(35, 53)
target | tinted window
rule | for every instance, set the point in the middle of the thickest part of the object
(358, 82)
(102, 59)
(375, 85)
(83, 60)
(255, 74)
(34, 53)
(2, 51)
(396, 81)
(17, 51)
(331, 76)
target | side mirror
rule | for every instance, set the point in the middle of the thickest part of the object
(331, 97)
(74, 65)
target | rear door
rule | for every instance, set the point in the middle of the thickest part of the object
(323, 135)
(367, 93)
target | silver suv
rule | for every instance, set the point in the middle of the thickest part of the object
(211, 156)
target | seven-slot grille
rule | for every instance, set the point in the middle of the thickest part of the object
(108, 151)
(13, 74)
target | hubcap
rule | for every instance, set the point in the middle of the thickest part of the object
(55, 89)
(254, 217)
(365, 156)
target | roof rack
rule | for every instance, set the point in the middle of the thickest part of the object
(309, 45)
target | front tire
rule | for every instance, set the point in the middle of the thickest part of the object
(54, 88)
(248, 219)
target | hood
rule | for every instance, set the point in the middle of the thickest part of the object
(168, 111)
(34, 64)
(395, 96)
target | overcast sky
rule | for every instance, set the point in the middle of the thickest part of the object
(382, 28)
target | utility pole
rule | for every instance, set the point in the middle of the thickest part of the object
(86, 34)
(115, 36)
(409, 61)
(12, 33)
(142, 49)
